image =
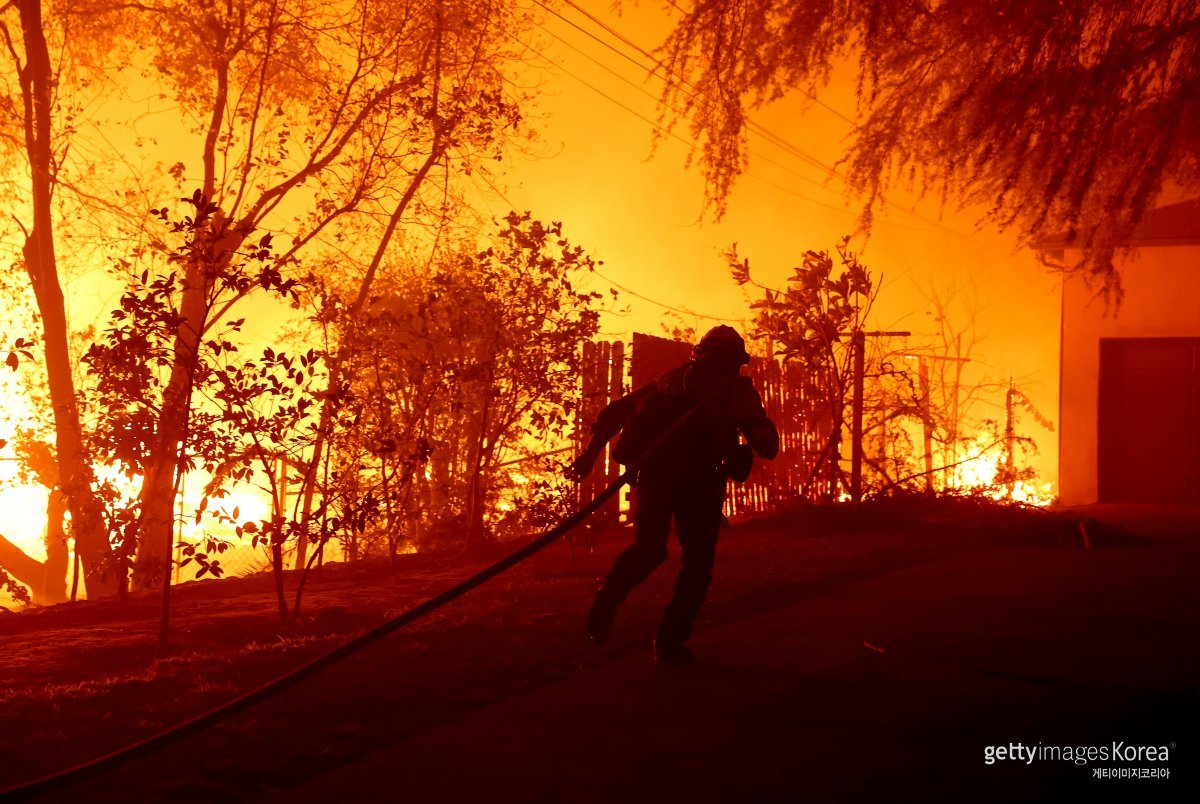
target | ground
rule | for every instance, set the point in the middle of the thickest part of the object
(859, 655)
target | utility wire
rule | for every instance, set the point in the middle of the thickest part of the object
(618, 285)
(832, 110)
(657, 126)
(652, 96)
(653, 69)
(664, 305)
(750, 124)
(668, 133)
(692, 146)
(753, 126)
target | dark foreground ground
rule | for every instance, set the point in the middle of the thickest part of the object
(859, 657)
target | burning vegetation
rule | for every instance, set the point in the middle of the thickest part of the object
(434, 415)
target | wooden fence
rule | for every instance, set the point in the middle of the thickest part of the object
(790, 399)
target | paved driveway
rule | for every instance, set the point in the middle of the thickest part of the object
(888, 690)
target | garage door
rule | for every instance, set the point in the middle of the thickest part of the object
(1150, 420)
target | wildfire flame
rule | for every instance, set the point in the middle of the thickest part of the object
(983, 473)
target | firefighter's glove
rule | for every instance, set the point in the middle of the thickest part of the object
(581, 467)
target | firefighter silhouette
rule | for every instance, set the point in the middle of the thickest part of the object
(684, 427)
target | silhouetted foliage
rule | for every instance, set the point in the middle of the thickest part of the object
(294, 116)
(1060, 117)
(14, 588)
(812, 321)
(133, 363)
(459, 372)
(336, 107)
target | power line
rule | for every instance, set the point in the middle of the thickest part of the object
(666, 131)
(756, 127)
(652, 96)
(750, 124)
(614, 283)
(835, 112)
(664, 305)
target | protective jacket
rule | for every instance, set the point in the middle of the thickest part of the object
(729, 406)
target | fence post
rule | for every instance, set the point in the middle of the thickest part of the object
(616, 383)
(923, 373)
(1010, 464)
(858, 345)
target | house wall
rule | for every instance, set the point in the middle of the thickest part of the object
(1162, 300)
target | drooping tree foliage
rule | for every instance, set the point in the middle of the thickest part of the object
(1058, 118)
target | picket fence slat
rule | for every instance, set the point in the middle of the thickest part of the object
(789, 397)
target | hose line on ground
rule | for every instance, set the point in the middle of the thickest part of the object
(180, 731)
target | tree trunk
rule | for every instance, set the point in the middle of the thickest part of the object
(277, 570)
(75, 469)
(340, 355)
(156, 528)
(54, 572)
(47, 580)
(158, 487)
(476, 488)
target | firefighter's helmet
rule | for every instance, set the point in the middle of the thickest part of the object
(721, 345)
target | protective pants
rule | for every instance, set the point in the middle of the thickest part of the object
(694, 502)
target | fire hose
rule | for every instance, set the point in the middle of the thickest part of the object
(241, 703)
